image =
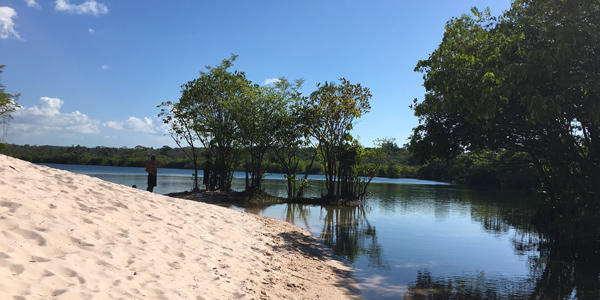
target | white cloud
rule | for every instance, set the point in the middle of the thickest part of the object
(90, 30)
(104, 67)
(32, 3)
(271, 80)
(46, 118)
(113, 125)
(47, 124)
(7, 26)
(88, 7)
(136, 124)
(146, 125)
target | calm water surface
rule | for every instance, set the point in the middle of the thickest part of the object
(413, 240)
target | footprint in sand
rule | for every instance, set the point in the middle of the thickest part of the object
(12, 206)
(31, 235)
(39, 259)
(15, 269)
(66, 272)
(7, 225)
(119, 204)
(153, 218)
(80, 243)
(174, 265)
(58, 292)
(124, 233)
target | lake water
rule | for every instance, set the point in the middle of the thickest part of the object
(413, 239)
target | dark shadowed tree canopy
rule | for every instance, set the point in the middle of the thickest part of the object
(527, 81)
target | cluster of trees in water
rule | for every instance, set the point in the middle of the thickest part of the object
(276, 128)
(239, 124)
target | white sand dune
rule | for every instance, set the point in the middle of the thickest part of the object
(72, 236)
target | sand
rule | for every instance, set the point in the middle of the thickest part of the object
(72, 236)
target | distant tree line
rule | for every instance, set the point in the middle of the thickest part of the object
(101, 156)
(506, 169)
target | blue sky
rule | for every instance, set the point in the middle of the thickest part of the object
(91, 73)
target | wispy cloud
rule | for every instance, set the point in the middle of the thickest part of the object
(104, 67)
(7, 25)
(271, 80)
(90, 30)
(88, 7)
(32, 3)
(46, 118)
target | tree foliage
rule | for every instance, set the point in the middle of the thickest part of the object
(527, 81)
(358, 166)
(205, 113)
(181, 129)
(332, 111)
(260, 116)
(8, 105)
(290, 134)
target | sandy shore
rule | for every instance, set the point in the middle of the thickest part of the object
(72, 236)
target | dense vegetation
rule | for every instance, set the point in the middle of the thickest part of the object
(526, 81)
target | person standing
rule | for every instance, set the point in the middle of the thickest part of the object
(152, 170)
(206, 166)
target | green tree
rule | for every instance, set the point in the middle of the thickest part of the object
(205, 109)
(527, 82)
(257, 114)
(332, 111)
(291, 135)
(8, 105)
(181, 120)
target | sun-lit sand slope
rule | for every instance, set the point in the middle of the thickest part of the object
(71, 236)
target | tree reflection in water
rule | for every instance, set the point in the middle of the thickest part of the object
(346, 230)
(294, 211)
(477, 286)
(555, 272)
(566, 274)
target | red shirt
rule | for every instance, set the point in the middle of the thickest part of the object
(151, 168)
